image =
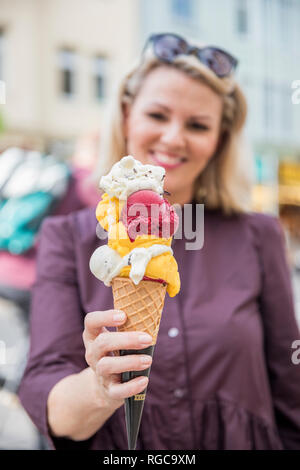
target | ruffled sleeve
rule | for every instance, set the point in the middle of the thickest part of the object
(281, 330)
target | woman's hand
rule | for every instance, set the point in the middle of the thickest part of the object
(101, 346)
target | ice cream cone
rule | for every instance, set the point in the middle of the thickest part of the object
(143, 305)
(140, 223)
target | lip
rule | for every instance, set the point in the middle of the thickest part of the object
(159, 158)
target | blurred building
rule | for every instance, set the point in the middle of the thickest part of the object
(59, 59)
(264, 36)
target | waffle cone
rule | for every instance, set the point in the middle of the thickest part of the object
(142, 303)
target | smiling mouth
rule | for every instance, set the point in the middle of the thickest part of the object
(165, 160)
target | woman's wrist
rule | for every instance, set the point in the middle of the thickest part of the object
(76, 406)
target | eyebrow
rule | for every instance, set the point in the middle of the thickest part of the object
(195, 116)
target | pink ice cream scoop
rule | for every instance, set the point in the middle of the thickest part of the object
(148, 213)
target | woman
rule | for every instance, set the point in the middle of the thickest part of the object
(222, 376)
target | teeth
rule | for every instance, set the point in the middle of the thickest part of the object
(169, 160)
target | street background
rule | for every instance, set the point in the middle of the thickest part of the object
(59, 63)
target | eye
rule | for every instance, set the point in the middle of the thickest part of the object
(157, 116)
(197, 126)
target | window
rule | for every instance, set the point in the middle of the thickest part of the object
(242, 17)
(67, 65)
(268, 104)
(183, 8)
(286, 108)
(286, 19)
(1, 54)
(2, 83)
(99, 71)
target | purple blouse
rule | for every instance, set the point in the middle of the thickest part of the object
(222, 375)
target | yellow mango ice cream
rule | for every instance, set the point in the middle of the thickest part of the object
(140, 224)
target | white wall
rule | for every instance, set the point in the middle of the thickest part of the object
(34, 32)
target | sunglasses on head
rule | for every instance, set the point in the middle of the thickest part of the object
(168, 46)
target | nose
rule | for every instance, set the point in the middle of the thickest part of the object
(173, 135)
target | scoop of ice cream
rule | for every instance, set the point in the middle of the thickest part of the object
(105, 263)
(140, 257)
(146, 212)
(129, 175)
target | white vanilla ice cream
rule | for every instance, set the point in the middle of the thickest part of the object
(106, 263)
(129, 175)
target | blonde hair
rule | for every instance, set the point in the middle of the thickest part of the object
(224, 183)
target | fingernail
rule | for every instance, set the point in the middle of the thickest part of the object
(145, 339)
(118, 316)
(146, 359)
(143, 380)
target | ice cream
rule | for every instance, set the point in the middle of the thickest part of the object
(140, 225)
(129, 175)
(138, 260)
(106, 263)
(149, 213)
